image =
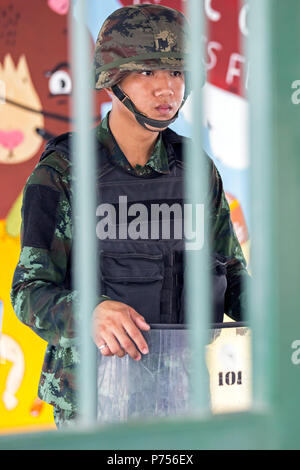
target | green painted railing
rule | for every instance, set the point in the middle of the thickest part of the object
(85, 272)
(197, 299)
(273, 48)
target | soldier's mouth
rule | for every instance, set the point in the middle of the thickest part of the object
(164, 109)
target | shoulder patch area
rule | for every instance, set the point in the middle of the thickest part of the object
(40, 207)
(56, 160)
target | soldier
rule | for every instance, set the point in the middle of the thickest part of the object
(140, 61)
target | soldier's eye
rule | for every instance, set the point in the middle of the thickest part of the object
(176, 73)
(147, 73)
(60, 83)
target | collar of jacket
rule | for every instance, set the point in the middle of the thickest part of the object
(173, 144)
(158, 160)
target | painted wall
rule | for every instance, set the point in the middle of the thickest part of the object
(36, 82)
(35, 104)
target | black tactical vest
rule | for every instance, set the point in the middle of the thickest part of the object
(141, 236)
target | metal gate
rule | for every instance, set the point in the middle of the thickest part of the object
(272, 422)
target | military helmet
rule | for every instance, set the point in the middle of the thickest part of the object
(139, 37)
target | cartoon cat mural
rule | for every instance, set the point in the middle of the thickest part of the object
(35, 70)
(35, 104)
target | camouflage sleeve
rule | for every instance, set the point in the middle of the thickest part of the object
(224, 241)
(41, 292)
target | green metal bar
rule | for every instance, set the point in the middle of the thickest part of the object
(274, 49)
(237, 431)
(263, 303)
(84, 193)
(285, 53)
(197, 282)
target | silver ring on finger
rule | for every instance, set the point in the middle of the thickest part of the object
(102, 346)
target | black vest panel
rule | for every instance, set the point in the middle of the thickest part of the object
(140, 234)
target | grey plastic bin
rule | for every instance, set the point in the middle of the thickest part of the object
(157, 385)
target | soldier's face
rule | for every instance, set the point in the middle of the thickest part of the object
(157, 94)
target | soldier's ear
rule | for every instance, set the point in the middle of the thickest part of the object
(109, 92)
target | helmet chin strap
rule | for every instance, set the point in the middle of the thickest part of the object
(140, 117)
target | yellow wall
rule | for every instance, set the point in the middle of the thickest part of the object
(18, 408)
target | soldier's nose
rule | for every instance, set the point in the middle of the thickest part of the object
(163, 84)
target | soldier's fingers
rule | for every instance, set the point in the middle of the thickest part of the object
(114, 346)
(127, 345)
(137, 336)
(102, 346)
(104, 349)
(138, 319)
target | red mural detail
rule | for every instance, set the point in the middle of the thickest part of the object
(237, 218)
(34, 55)
(225, 60)
(59, 6)
(177, 4)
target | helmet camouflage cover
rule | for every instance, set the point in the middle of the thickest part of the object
(139, 37)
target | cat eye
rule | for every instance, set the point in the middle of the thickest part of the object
(60, 83)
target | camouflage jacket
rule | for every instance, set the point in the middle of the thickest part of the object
(41, 292)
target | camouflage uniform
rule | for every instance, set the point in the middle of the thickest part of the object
(158, 160)
(42, 294)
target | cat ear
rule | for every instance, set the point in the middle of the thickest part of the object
(22, 65)
(59, 6)
(8, 64)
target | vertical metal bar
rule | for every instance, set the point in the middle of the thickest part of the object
(84, 212)
(285, 90)
(263, 303)
(197, 281)
(275, 139)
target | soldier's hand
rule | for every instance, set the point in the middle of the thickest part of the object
(117, 325)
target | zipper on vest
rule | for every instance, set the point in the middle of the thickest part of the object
(130, 255)
(173, 284)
